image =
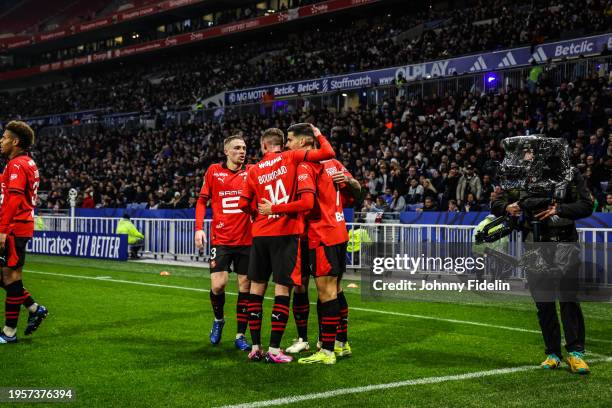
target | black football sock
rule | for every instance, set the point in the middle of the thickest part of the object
(301, 309)
(342, 333)
(319, 316)
(280, 315)
(242, 312)
(217, 302)
(12, 303)
(28, 301)
(330, 318)
(255, 314)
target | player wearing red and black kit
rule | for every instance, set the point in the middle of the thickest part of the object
(230, 230)
(20, 181)
(230, 235)
(276, 246)
(327, 237)
(327, 234)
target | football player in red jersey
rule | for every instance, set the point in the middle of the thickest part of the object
(327, 237)
(276, 249)
(230, 236)
(20, 181)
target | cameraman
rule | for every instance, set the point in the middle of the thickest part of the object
(557, 225)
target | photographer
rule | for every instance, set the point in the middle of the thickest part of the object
(555, 221)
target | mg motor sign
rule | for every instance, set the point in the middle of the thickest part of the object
(249, 96)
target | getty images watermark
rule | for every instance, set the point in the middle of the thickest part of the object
(462, 272)
(398, 273)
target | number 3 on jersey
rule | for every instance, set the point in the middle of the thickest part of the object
(278, 195)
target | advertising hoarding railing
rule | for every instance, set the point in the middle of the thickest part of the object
(174, 239)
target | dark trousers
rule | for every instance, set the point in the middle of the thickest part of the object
(573, 326)
(559, 282)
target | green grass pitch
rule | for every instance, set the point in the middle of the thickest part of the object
(120, 344)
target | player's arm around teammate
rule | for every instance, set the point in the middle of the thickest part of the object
(276, 250)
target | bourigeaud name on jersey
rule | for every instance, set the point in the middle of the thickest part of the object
(268, 177)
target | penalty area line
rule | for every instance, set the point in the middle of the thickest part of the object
(359, 309)
(377, 387)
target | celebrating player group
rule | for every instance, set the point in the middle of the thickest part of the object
(282, 218)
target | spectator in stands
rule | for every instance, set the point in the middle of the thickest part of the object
(88, 201)
(415, 192)
(492, 198)
(451, 183)
(487, 188)
(469, 183)
(428, 205)
(452, 206)
(428, 189)
(395, 180)
(368, 204)
(388, 196)
(594, 148)
(398, 203)
(595, 202)
(381, 205)
(471, 205)
(607, 207)
(180, 200)
(374, 184)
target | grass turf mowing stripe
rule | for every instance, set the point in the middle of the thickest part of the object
(376, 387)
(361, 309)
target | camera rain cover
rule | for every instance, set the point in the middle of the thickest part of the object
(536, 164)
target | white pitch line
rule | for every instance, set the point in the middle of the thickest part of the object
(377, 387)
(361, 309)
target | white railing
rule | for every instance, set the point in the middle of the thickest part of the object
(173, 238)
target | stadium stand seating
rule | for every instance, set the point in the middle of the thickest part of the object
(330, 49)
(386, 146)
(32, 16)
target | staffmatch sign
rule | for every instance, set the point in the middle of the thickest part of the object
(114, 247)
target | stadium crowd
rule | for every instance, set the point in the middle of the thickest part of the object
(435, 153)
(327, 49)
